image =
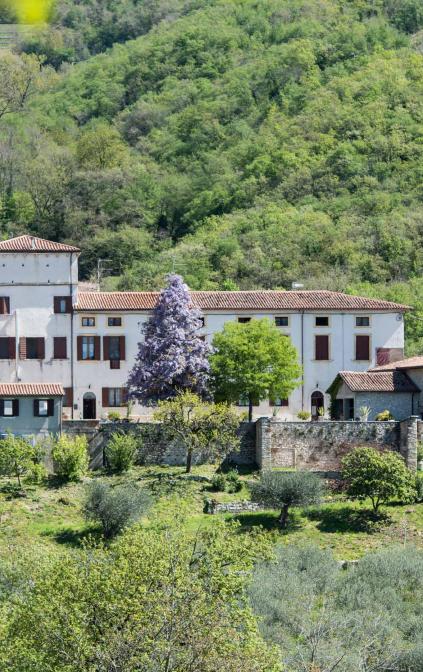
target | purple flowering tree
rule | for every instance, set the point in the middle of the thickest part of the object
(172, 357)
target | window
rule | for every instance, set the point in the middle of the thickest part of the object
(114, 396)
(362, 321)
(321, 347)
(282, 321)
(62, 304)
(43, 408)
(35, 348)
(7, 348)
(88, 321)
(322, 321)
(244, 320)
(202, 321)
(114, 321)
(279, 402)
(4, 305)
(60, 347)
(243, 401)
(9, 408)
(114, 349)
(362, 348)
(88, 347)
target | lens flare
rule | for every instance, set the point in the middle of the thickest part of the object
(33, 11)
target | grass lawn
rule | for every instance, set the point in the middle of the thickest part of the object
(50, 517)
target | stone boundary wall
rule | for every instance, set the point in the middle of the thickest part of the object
(153, 446)
(212, 506)
(267, 443)
(320, 446)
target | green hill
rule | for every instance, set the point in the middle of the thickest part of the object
(242, 143)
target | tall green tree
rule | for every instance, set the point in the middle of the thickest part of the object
(253, 360)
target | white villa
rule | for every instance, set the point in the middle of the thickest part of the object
(50, 332)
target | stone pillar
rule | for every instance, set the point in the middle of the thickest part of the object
(410, 453)
(263, 443)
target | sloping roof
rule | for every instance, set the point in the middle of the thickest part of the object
(33, 244)
(31, 390)
(384, 381)
(409, 363)
(248, 300)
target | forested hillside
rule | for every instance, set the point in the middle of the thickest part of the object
(242, 143)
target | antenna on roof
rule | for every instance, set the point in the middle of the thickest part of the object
(297, 285)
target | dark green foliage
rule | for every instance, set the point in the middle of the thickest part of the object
(419, 486)
(233, 481)
(379, 476)
(121, 451)
(282, 490)
(218, 482)
(257, 144)
(114, 508)
(364, 617)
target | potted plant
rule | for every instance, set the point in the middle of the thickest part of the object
(303, 415)
(321, 414)
(364, 412)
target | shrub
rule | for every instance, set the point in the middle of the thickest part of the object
(380, 476)
(420, 452)
(114, 416)
(303, 415)
(279, 489)
(419, 486)
(234, 483)
(121, 451)
(70, 456)
(218, 482)
(384, 415)
(114, 508)
(17, 457)
(36, 474)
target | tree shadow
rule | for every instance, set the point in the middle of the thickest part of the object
(346, 519)
(268, 520)
(74, 538)
(13, 490)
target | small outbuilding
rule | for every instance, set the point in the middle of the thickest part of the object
(31, 410)
(378, 390)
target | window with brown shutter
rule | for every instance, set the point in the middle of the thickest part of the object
(7, 348)
(106, 347)
(322, 347)
(35, 348)
(60, 347)
(68, 398)
(4, 305)
(88, 348)
(279, 402)
(62, 304)
(362, 348)
(22, 347)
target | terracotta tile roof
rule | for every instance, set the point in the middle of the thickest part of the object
(410, 363)
(384, 381)
(260, 300)
(34, 244)
(31, 390)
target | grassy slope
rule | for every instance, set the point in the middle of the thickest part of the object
(50, 519)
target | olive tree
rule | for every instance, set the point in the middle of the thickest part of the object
(279, 489)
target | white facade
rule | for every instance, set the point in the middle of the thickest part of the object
(32, 279)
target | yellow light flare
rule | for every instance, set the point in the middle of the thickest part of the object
(33, 11)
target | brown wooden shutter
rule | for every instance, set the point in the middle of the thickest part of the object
(68, 398)
(105, 397)
(60, 347)
(68, 304)
(362, 347)
(50, 407)
(11, 343)
(79, 347)
(15, 404)
(122, 347)
(106, 347)
(41, 348)
(56, 303)
(322, 347)
(97, 348)
(22, 347)
(4, 305)
(124, 396)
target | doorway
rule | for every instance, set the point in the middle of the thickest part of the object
(317, 401)
(89, 410)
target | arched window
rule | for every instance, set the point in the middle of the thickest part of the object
(317, 401)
